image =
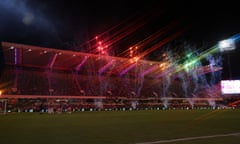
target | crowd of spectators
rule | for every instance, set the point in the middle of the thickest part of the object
(121, 92)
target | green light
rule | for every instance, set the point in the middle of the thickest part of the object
(189, 55)
(189, 65)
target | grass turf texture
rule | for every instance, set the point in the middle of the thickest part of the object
(120, 127)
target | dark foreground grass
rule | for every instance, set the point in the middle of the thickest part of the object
(120, 127)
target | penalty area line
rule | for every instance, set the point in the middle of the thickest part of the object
(190, 138)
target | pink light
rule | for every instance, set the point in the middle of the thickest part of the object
(81, 64)
(127, 69)
(105, 67)
(53, 60)
(149, 70)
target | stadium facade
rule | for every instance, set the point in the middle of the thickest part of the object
(35, 78)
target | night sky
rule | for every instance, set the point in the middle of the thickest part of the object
(70, 24)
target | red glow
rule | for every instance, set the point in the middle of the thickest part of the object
(100, 48)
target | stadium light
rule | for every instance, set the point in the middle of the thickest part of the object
(226, 45)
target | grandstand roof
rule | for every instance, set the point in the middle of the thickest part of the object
(84, 63)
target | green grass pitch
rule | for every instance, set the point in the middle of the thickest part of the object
(121, 127)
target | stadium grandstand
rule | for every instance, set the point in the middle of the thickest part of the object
(46, 79)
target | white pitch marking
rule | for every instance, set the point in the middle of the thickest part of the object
(190, 138)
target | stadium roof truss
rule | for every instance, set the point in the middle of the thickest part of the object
(83, 63)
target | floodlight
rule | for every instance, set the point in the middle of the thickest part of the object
(226, 45)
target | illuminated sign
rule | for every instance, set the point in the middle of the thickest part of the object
(230, 86)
